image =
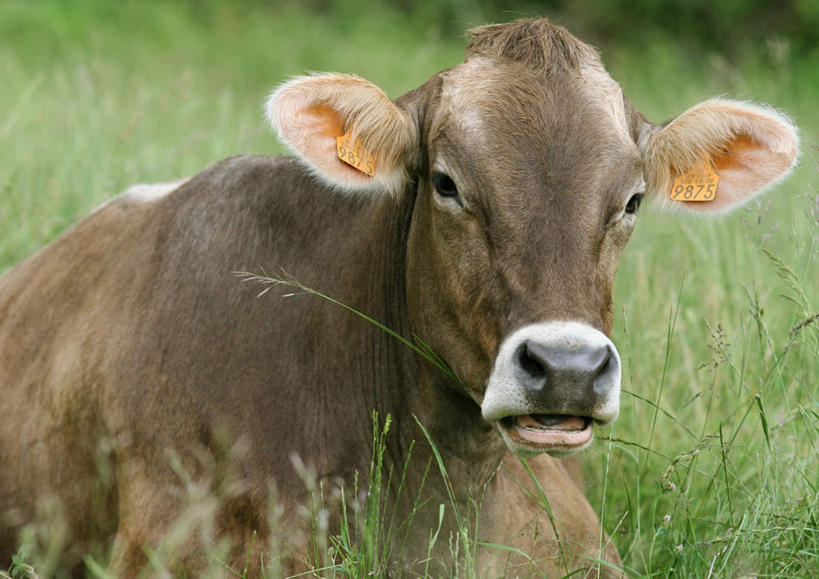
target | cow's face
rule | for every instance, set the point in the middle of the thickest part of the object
(528, 194)
(527, 175)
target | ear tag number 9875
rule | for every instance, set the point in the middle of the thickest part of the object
(352, 153)
(697, 184)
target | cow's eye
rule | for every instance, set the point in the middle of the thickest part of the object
(634, 203)
(444, 184)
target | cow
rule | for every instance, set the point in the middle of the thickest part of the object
(480, 217)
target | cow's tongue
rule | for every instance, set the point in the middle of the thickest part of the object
(551, 422)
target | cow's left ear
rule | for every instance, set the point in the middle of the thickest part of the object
(346, 130)
(738, 149)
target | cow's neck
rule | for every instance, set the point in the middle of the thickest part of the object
(415, 392)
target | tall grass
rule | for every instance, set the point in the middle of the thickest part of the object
(711, 468)
(714, 454)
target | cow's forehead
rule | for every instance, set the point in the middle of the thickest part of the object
(486, 96)
(501, 105)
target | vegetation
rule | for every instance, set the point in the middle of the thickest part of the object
(711, 469)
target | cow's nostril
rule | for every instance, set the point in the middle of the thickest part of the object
(604, 361)
(530, 362)
(608, 373)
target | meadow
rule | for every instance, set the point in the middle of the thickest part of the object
(711, 469)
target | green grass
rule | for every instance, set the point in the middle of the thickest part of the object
(711, 468)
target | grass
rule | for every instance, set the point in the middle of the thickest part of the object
(711, 468)
(714, 455)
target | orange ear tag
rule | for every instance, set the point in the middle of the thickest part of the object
(354, 154)
(699, 183)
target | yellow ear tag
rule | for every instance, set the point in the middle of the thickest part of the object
(354, 154)
(699, 183)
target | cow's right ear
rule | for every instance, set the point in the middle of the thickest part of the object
(377, 138)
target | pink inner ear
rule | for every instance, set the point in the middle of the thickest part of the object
(751, 165)
(745, 166)
(313, 132)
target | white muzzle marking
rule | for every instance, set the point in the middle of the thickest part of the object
(545, 377)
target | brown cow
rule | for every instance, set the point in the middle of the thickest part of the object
(501, 194)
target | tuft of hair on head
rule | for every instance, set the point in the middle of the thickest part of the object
(534, 42)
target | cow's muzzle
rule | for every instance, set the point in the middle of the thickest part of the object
(551, 382)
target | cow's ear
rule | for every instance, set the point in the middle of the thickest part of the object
(310, 113)
(739, 149)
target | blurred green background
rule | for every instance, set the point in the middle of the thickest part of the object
(719, 420)
(151, 89)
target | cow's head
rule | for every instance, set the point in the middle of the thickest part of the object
(527, 167)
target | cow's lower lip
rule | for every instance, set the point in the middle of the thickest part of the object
(545, 432)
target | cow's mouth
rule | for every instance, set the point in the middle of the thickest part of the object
(553, 433)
